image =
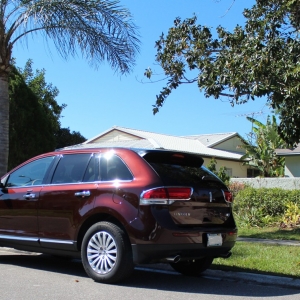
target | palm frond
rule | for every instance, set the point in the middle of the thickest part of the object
(99, 30)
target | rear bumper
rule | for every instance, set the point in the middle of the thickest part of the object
(162, 239)
(152, 253)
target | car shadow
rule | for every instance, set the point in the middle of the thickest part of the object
(148, 278)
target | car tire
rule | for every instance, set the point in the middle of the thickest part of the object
(106, 253)
(192, 267)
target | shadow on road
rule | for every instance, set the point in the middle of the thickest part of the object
(150, 279)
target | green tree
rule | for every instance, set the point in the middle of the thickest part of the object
(64, 138)
(45, 92)
(261, 153)
(212, 166)
(34, 114)
(259, 59)
(100, 30)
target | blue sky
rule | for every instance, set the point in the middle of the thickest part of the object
(99, 99)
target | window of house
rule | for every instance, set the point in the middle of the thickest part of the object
(251, 173)
(228, 171)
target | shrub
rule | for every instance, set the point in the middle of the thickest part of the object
(235, 187)
(212, 166)
(263, 206)
(291, 216)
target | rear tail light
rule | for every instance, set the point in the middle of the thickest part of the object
(165, 195)
(228, 196)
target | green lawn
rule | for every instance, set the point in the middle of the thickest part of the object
(264, 258)
(270, 233)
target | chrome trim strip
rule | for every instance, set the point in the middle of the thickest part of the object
(91, 182)
(35, 239)
(18, 238)
(25, 186)
(114, 180)
(68, 242)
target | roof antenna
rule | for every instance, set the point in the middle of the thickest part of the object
(251, 134)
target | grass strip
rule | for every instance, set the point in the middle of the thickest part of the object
(270, 233)
(263, 259)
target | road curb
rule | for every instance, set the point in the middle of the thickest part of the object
(256, 278)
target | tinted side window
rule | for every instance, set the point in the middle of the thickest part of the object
(112, 168)
(71, 168)
(92, 171)
(32, 173)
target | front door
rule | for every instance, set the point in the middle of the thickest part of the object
(19, 201)
(18, 211)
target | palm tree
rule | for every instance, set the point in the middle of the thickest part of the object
(261, 154)
(99, 29)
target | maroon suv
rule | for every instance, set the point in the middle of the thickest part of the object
(118, 207)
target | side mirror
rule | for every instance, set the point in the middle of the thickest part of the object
(3, 182)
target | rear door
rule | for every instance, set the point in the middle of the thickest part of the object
(66, 200)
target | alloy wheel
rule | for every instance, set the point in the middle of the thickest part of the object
(102, 252)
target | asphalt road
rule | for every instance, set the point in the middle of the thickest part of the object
(34, 277)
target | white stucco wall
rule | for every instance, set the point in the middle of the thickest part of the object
(280, 182)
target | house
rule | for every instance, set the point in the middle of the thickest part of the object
(292, 161)
(226, 148)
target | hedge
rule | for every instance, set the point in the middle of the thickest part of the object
(263, 206)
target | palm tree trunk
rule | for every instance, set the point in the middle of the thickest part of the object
(4, 123)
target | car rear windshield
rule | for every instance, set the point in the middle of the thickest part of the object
(181, 169)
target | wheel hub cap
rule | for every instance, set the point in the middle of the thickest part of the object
(102, 252)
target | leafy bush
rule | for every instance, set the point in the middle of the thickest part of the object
(291, 216)
(212, 166)
(235, 187)
(263, 206)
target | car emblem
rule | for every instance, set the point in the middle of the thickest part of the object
(181, 214)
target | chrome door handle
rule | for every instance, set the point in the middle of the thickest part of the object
(83, 194)
(29, 196)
